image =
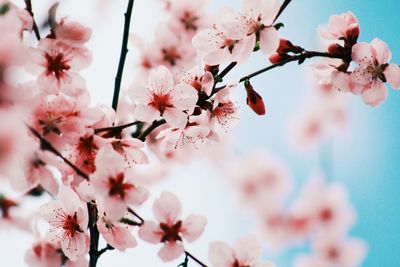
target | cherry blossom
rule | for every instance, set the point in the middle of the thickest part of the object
(43, 253)
(334, 251)
(215, 46)
(374, 70)
(162, 98)
(68, 219)
(57, 63)
(255, 21)
(203, 83)
(341, 26)
(192, 137)
(116, 233)
(170, 230)
(246, 251)
(115, 186)
(60, 118)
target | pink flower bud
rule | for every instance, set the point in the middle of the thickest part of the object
(254, 100)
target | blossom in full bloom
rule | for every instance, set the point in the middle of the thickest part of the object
(57, 63)
(374, 70)
(170, 229)
(115, 187)
(246, 251)
(161, 98)
(116, 233)
(68, 219)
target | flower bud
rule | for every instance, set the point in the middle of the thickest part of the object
(254, 100)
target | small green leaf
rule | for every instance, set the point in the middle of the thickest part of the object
(4, 9)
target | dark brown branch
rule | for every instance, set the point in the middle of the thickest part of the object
(283, 7)
(103, 250)
(46, 145)
(195, 259)
(227, 70)
(300, 58)
(124, 51)
(116, 128)
(137, 216)
(154, 125)
(35, 28)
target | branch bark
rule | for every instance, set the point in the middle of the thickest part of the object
(124, 51)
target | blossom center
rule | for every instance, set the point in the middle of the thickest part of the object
(326, 215)
(56, 65)
(71, 225)
(171, 232)
(189, 20)
(50, 123)
(118, 187)
(161, 102)
(237, 264)
(171, 55)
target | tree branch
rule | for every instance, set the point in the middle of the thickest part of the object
(154, 125)
(283, 7)
(46, 145)
(35, 28)
(116, 128)
(300, 58)
(195, 259)
(124, 51)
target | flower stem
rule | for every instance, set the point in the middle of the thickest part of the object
(35, 28)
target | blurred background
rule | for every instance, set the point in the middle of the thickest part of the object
(365, 158)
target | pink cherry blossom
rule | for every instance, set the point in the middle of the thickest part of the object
(57, 63)
(340, 26)
(161, 98)
(263, 182)
(172, 50)
(117, 234)
(71, 31)
(130, 149)
(37, 174)
(374, 70)
(224, 114)
(170, 229)
(115, 186)
(327, 205)
(202, 82)
(215, 46)
(334, 251)
(68, 219)
(192, 137)
(255, 21)
(43, 253)
(60, 118)
(188, 16)
(246, 251)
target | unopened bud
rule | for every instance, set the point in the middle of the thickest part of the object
(254, 100)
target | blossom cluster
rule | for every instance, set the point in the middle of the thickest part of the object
(90, 158)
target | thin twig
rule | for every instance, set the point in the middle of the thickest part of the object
(195, 259)
(300, 58)
(283, 7)
(35, 28)
(116, 128)
(101, 251)
(227, 70)
(124, 51)
(46, 145)
(154, 125)
(137, 216)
